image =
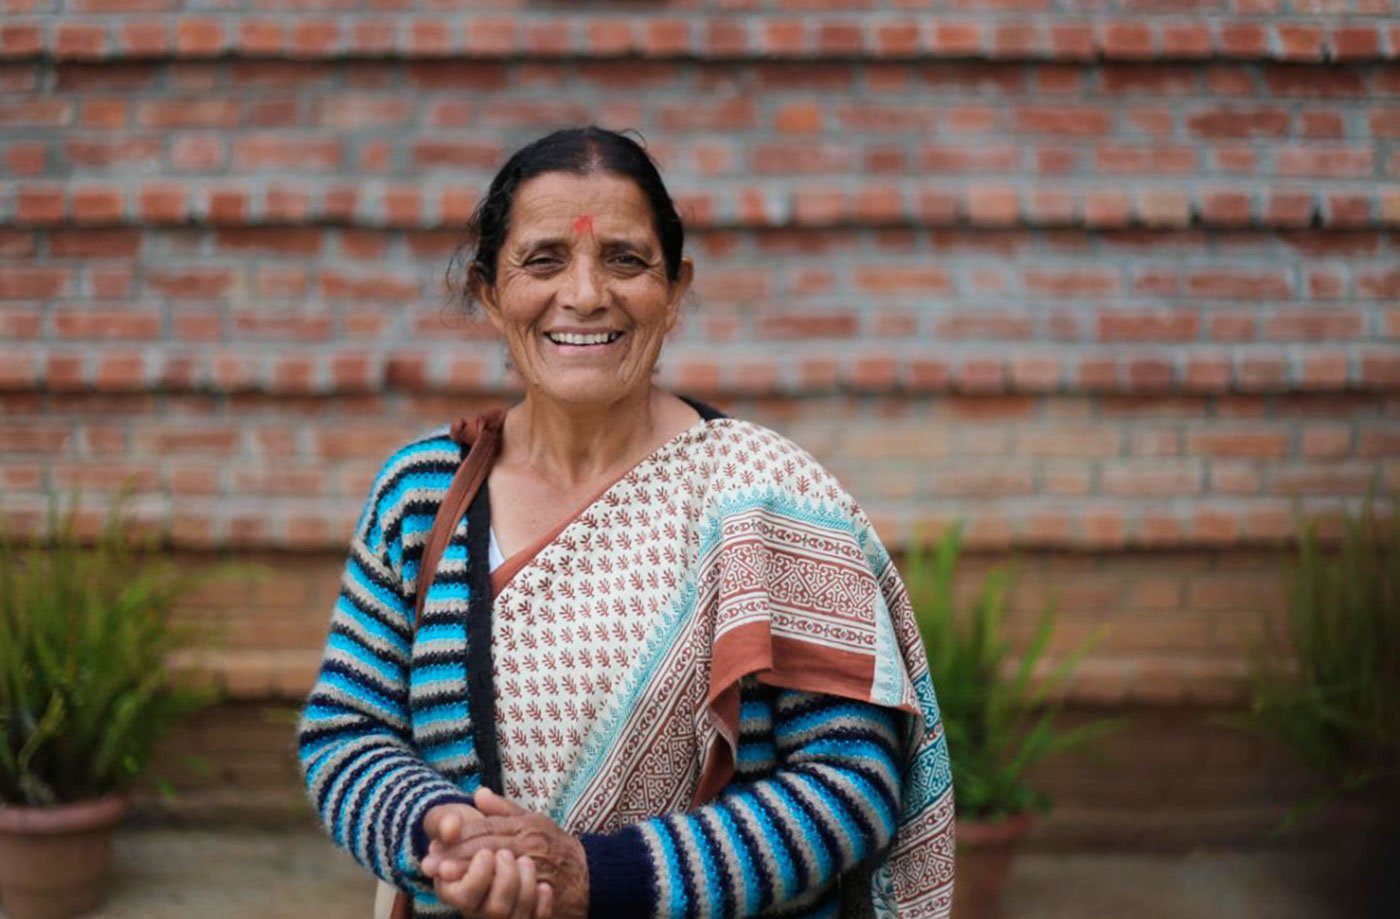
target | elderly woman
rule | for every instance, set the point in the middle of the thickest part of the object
(653, 660)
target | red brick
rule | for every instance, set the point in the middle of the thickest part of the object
(314, 37)
(1325, 370)
(1186, 40)
(1380, 368)
(267, 151)
(25, 159)
(97, 204)
(609, 36)
(1126, 40)
(164, 202)
(274, 240)
(103, 114)
(1381, 284)
(1072, 40)
(1261, 371)
(373, 35)
(1082, 121)
(21, 40)
(1237, 121)
(144, 38)
(79, 40)
(205, 113)
(121, 371)
(1208, 372)
(957, 38)
(1238, 443)
(261, 36)
(106, 324)
(19, 283)
(38, 205)
(1239, 285)
(1298, 42)
(1314, 325)
(199, 36)
(1243, 39)
(726, 38)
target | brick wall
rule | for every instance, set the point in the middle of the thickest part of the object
(1113, 281)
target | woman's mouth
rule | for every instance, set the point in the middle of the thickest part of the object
(578, 339)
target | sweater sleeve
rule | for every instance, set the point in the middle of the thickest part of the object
(363, 775)
(772, 843)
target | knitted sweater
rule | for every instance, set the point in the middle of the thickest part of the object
(386, 735)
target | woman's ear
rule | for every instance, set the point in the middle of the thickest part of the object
(679, 288)
(484, 293)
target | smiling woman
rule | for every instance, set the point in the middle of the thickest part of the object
(611, 652)
(583, 294)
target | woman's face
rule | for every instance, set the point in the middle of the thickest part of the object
(581, 292)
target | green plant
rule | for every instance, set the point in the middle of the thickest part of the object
(1000, 719)
(1328, 686)
(85, 630)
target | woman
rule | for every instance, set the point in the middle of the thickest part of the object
(686, 681)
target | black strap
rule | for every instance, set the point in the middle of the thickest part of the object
(481, 693)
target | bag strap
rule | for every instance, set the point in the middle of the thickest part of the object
(483, 433)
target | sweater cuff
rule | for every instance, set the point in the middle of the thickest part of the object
(621, 876)
(419, 834)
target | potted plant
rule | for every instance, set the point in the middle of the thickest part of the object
(85, 694)
(1326, 687)
(999, 715)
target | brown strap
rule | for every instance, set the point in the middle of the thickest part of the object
(484, 434)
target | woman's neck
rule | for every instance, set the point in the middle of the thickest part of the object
(577, 445)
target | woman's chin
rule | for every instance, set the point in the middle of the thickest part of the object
(585, 390)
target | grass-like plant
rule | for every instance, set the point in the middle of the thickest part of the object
(85, 630)
(999, 716)
(1327, 687)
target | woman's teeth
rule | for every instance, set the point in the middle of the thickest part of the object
(573, 338)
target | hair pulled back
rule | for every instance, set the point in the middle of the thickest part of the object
(579, 151)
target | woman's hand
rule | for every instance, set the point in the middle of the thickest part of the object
(490, 884)
(500, 849)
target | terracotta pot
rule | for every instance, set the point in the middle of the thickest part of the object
(983, 863)
(54, 860)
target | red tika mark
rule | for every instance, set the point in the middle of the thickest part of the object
(583, 223)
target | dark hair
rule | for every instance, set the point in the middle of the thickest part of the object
(579, 151)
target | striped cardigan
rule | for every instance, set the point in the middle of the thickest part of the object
(386, 735)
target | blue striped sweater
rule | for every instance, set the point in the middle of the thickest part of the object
(386, 734)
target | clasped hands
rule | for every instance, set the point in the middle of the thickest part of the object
(498, 861)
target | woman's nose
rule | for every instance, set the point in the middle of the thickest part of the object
(584, 288)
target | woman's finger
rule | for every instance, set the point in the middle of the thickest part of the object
(452, 869)
(505, 887)
(469, 892)
(494, 805)
(544, 900)
(525, 897)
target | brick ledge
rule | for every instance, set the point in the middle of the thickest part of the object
(988, 203)
(730, 36)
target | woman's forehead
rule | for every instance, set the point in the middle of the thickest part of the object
(563, 203)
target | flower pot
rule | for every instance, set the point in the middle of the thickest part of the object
(54, 860)
(983, 863)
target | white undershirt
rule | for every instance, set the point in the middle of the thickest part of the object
(494, 558)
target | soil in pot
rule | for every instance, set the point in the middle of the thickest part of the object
(983, 863)
(54, 860)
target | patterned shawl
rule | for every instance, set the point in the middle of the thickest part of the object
(619, 648)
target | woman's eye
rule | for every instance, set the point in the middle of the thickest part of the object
(631, 261)
(541, 261)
